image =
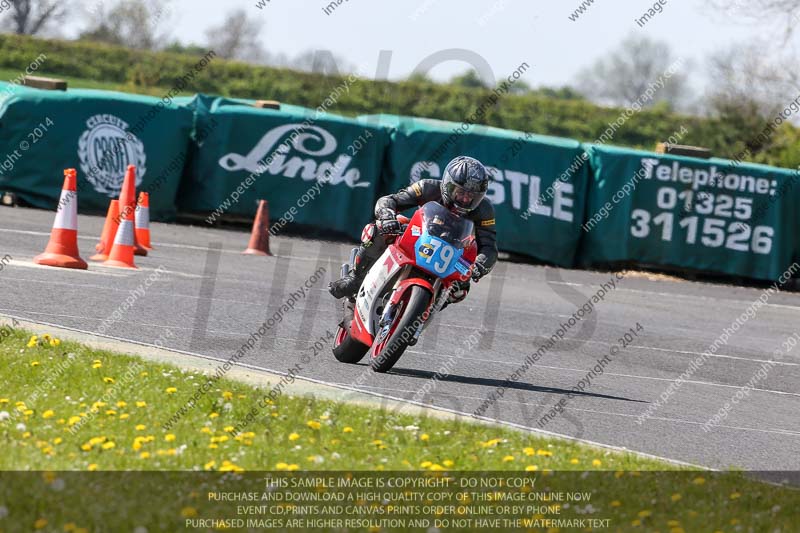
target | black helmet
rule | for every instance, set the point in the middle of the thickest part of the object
(464, 184)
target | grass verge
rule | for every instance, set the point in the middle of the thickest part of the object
(67, 407)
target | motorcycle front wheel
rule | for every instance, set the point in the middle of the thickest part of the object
(410, 314)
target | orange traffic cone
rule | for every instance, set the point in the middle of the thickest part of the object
(121, 254)
(143, 221)
(62, 250)
(109, 232)
(259, 238)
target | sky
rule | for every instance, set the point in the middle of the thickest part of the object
(500, 33)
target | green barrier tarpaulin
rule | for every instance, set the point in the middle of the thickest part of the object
(708, 215)
(523, 166)
(315, 169)
(99, 133)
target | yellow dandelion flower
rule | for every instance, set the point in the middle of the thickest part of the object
(144, 455)
(48, 414)
(169, 437)
(699, 480)
(424, 437)
(213, 415)
(92, 467)
(644, 514)
(188, 512)
(281, 466)
(213, 446)
(40, 524)
(205, 429)
(35, 363)
(228, 429)
(171, 390)
(597, 463)
(86, 447)
(292, 467)
(108, 380)
(508, 458)
(141, 404)
(448, 463)
(293, 436)
(675, 497)
(636, 523)
(574, 461)
(529, 451)
(436, 467)
(70, 526)
(313, 424)
(97, 363)
(57, 441)
(425, 464)
(531, 468)
(735, 495)
(122, 404)
(377, 442)
(137, 445)
(109, 445)
(111, 412)
(140, 427)
(46, 336)
(4, 400)
(348, 429)
(616, 503)
(54, 342)
(124, 416)
(209, 465)
(544, 453)
(228, 395)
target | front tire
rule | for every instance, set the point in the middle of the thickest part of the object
(387, 352)
(346, 349)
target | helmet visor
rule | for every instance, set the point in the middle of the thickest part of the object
(462, 198)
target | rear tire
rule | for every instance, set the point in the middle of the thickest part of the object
(419, 300)
(346, 349)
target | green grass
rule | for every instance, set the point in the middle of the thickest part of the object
(302, 433)
(80, 83)
(51, 387)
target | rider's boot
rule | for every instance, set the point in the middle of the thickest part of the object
(348, 286)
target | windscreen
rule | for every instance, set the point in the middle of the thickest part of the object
(439, 222)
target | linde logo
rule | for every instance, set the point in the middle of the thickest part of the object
(268, 156)
(106, 149)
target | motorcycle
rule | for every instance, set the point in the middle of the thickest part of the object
(405, 287)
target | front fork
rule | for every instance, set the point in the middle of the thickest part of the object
(391, 310)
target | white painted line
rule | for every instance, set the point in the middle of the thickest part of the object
(583, 371)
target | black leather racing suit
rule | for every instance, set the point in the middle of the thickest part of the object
(429, 190)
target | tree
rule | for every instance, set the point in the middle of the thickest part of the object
(630, 71)
(785, 12)
(133, 23)
(177, 47)
(747, 91)
(469, 79)
(29, 17)
(238, 37)
(321, 62)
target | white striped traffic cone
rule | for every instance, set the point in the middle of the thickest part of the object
(62, 250)
(122, 251)
(143, 221)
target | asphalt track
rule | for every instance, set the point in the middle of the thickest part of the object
(207, 299)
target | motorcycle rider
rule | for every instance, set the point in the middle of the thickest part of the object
(462, 190)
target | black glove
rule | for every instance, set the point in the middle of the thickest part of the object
(478, 271)
(387, 223)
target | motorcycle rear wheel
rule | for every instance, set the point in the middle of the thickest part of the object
(387, 352)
